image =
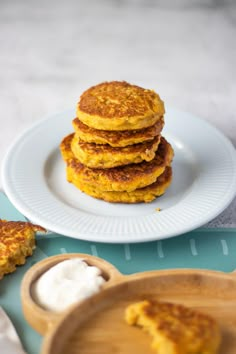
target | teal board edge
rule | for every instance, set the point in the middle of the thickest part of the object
(202, 248)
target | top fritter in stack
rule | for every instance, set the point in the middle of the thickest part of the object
(117, 152)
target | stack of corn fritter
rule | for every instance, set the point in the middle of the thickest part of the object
(116, 152)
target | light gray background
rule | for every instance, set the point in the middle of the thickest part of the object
(50, 51)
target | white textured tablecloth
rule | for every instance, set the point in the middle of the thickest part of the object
(52, 50)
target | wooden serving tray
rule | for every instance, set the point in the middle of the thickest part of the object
(97, 325)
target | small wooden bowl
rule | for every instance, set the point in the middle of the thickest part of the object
(39, 318)
(97, 326)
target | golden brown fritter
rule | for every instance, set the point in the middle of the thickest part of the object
(122, 178)
(146, 194)
(118, 105)
(65, 148)
(17, 241)
(116, 138)
(106, 156)
(175, 329)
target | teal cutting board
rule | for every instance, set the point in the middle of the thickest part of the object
(203, 248)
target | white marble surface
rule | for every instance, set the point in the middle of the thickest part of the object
(52, 50)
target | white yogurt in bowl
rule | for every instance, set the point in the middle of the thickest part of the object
(67, 283)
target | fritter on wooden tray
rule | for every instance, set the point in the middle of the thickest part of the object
(175, 329)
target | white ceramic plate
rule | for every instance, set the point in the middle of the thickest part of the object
(204, 183)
